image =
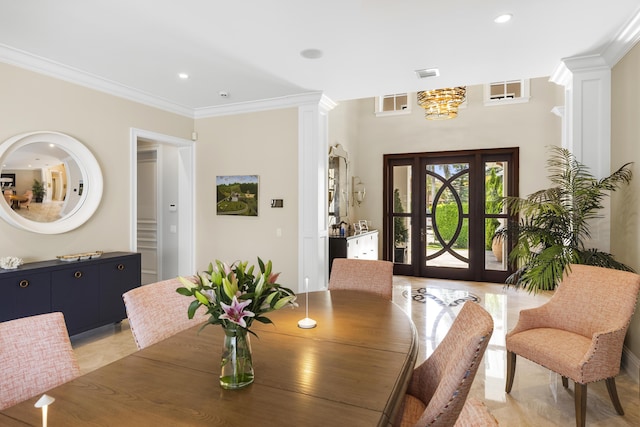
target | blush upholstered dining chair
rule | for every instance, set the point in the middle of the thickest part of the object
(438, 388)
(579, 332)
(374, 276)
(156, 311)
(35, 356)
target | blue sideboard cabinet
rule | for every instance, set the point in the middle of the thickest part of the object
(87, 292)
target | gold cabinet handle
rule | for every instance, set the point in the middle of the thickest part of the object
(24, 283)
(120, 267)
(77, 274)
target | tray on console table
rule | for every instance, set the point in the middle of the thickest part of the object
(88, 292)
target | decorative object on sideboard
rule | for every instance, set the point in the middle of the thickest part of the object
(360, 227)
(10, 262)
(80, 257)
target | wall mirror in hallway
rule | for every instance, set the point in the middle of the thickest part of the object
(338, 183)
(57, 184)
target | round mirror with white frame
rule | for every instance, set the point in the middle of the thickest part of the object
(69, 174)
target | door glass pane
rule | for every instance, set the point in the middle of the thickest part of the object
(401, 214)
(402, 189)
(402, 240)
(446, 228)
(495, 215)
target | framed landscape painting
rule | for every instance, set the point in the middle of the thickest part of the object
(237, 195)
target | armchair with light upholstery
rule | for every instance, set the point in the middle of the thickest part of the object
(374, 276)
(35, 356)
(156, 311)
(439, 387)
(579, 332)
(26, 199)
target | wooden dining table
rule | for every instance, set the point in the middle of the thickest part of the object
(352, 369)
(15, 201)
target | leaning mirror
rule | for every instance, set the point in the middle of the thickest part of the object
(338, 182)
(50, 181)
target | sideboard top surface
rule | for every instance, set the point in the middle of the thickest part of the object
(353, 236)
(54, 264)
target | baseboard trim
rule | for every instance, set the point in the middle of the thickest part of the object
(630, 364)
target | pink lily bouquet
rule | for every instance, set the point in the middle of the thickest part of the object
(233, 295)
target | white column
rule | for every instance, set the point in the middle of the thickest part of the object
(313, 154)
(587, 125)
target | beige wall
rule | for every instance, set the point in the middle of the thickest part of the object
(33, 102)
(625, 147)
(263, 144)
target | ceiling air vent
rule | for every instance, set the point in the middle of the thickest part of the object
(428, 72)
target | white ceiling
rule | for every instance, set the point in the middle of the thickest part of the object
(251, 48)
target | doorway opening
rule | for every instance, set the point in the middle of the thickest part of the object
(162, 208)
(442, 210)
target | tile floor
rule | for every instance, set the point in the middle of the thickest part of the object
(48, 211)
(537, 398)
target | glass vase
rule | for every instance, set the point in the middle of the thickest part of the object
(236, 364)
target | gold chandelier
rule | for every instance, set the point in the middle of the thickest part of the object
(441, 104)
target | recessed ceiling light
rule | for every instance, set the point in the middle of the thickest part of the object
(183, 76)
(311, 53)
(503, 18)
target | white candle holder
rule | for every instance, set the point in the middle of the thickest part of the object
(44, 403)
(307, 322)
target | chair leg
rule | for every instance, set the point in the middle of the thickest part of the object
(511, 370)
(613, 394)
(580, 403)
(565, 382)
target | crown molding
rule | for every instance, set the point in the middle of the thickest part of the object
(607, 57)
(623, 41)
(289, 101)
(60, 71)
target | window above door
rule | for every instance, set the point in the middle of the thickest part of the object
(506, 92)
(394, 104)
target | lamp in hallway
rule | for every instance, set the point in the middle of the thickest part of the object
(359, 190)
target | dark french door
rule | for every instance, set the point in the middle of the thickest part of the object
(442, 209)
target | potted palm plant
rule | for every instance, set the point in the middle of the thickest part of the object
(38, 191)
(554, 223)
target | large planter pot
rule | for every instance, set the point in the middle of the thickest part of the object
(399, 255)
(496, 248)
